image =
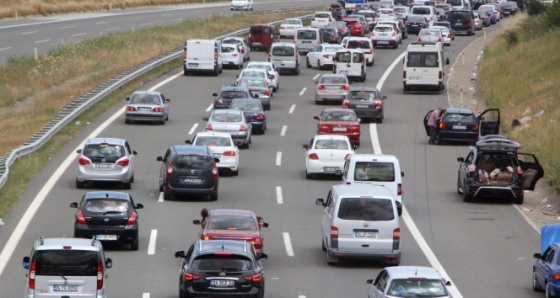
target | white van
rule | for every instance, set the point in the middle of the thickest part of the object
(285, 57)
(66, 267)
(307, 38)
(363, 44)
(203, 55)
(351, 63)
(375, 169)
(424, 67)
(459, 4)
(426, 11)
(360, 221)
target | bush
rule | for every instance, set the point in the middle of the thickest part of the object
(535, 7)
(552, 15)
(511, 37)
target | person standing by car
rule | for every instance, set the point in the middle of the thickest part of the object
(432, 123)
(203, 217)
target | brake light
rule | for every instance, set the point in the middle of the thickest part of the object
(130, 109)
(99, 276)
(169, 171)
(266, 92)
(334, 233)
(442, 125)
(208, 126)
(326, 56)
(472, 168)
(397, 234)
(399, 189)
(346, 103)
(354, 128)
(80, 218)
(243, 127)
(259, 117)
(271, 76)
(330, 20)
(394, 34)
(157, 109)
(346, 157)
(206, 237)
(378, 103)
(235, 54)
(123, 162)
(31, 280)
(84, 161)
(190, 276)
(313, 156)
(215, 56)
(372, 34)
(132, 219)
(404, 74)
(324, 128)
(475, 127)
(419, 38)
(345, 87)
(321, 87)
(229, 153)
(449, 35)
(253, 278)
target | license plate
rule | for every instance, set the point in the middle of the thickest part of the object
(193, 65)
(339, 129)
(222, 283)
(343, 72)
(462, 127)
(106, 237)
(362, 106)
(413, 25)
(330, 169)
(382, 42)
(256, 43)
(333, 89)
(458, 24)
(217, 155)
(65, 288)
(145, 109)
(414, 78)
(102, 166)
(365, 234)
(190, 180)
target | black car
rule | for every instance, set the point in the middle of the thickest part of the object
(338, 12)
(462, 21)
(223, 99)
(330, 35)
(416, 23)
(462, 125)
(495, 169)
(107, 216)
(254, 112)
(221, 268)
(188, 170)
(366, 102)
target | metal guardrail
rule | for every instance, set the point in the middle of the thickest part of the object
(73, 109)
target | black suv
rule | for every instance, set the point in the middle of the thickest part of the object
(223, 99)
(462, 21)
(107, 216)
(188, 170)
(221, 268)
(494, 168)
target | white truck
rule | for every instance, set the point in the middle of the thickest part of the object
(202, 55)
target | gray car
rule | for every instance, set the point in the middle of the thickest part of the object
(232, 122)
(409, 281)
(105, 160)
(332, 87)
(149, 106)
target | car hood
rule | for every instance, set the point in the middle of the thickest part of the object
(549, 234)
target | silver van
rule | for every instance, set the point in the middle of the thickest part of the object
(307, 38)
(360, 221)
(66, 267)
(285, 57)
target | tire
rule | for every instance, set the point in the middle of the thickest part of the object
(466, 196)
(127, 121)
(134, 245)
(214, 197)
(535, 283)
(379, 120)
(394, 262)
(166, 195)
(235, 173)
(307, 64)
(519, 200)
(372, 62)
(308, 176)
(127, 185)
(319, 66)
(185, 72)
(395, 46)
(79, 184)
(547, 292)
(297, 72)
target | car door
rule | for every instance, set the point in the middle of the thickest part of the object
(464, 168)
(532, 170)
(426, 122)
(327, 219)
(543, 265)
(163, 167)
(313, 54)
(489, 122)
(380, 284)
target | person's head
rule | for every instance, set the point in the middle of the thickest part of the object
(439, 109)
(260, 220)
(204, 213)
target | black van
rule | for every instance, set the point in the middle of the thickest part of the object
(462, 21)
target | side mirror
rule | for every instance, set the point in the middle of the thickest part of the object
(369, 281)
(460, 159)
(265, 225)
(402, 174)
(448, 283)
(196, 222)
(215, 94)
(134, 152)
(237, 76)
(108, 263)
(537, 255)
(188, 142)
(446, 60)
(384, 97)
(180, 254)
(127, 98)
(159, 158)
(205, 118)
(74, 205)
(306, 147)
(320, 202)
(262, 256)
(79, 151)
(316, 118)
(139, 206)
(25, 262)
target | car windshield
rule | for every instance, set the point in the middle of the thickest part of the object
(104, 205)
(417, 288)
(212, 141)
(371, 209)
(104, 152)
(358, 44)
(66, 262)
(239, 223)
(291, 22)
(339, 116)
(247, 106)
(233, 94)
(374, 171)
(145, 99)
(221, 263)
(362, 94)
(192, 161)
(307, 34)
(332, 144)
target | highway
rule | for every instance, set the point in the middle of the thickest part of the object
(485, 248)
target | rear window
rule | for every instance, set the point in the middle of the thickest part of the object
(455, 2)
(362, 94)
(220, 263)
(145, 99)
(104, 152)
(331, 144)
(464, 118)
(245, 105)
(212, 141)
(234, 94)
(193, 161)
(253, 83)
(239, 223)
(228, 49)
(260, 31)
(226, 117)
(333, 80)
(339, 116)
(103, 205)
(346, 57)
(411, 287)
(66, 262)
(374, 171)
(322, 15)
(459, 16)
(422, 59)
(371, 209)
(421, 10)
(383, 29)
(358, 44)
(283, 51)
(307, 34)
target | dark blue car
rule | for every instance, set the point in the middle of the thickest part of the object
(462, 125)
(546, 270)
(254, 112)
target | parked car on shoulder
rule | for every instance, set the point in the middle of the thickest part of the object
(547, 262)
(462, 125)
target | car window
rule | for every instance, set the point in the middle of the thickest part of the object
(463, 118)
(366, 209)
(358, 44)
(292, 22)
(307, 34)
(144, 99)
(362, 94)
(239, 223)
(222, 263)
(344, 57)
(374, 171)
(253, 74)
(322, 15)
(331, 144)
(105, 205)
(383, 29)
(256, 30)
(283, 51)
(421, 10)
(339, 116)
(192, 161)
(66, 262)
(104, 152)
(228, 49)
(249, 106)
(212, 141)
(233, 94)
(333, 80)
(425, 287)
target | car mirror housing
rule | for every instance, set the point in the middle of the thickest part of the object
(306, 147)
(108, 263)
(180, 254)
(139, 206)
(196, 222)
(460, 159)
(320, 202)
(262, 256)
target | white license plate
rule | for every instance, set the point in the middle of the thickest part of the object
(217, 155)
(462, 127)
(66, 288)
(256, 43)
(193, 65)
(189, 180)
(414, 78)
(383, 42)
(222, 283)
(333, 89)
(365, 234)
(145, 109)
(330, 169)
(102, 166)
(458, 24)
(339, 129)
(106, 237)
(362, 106)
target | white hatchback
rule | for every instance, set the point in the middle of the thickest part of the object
(241, 5)
(322, 55)
(288, 27)
(232, 56)
(223, 147)
(385, 35)
(321, 19)
(325, 155)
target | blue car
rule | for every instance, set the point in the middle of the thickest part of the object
(254, 112)
(546, 270)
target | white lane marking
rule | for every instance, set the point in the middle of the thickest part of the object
(209, 108)
(160, 198)
(301, 296)
(78, 34)
(302, 91)
(193, 129)
(426, 250)
(28, 32)
(283, 131)
(42, 41)
(279, 198)
(7, 48)
(102, 23)
(316, 76)
(145, 295)
(531, 223)
(374, 138)
(66, 27)
(167, 14)
(292, 109)
(288, 244)
(113, 29)
(278, 158)
(152, 243)
(29, 214)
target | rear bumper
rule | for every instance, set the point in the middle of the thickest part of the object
(123, 235)
(145, 117)
(458, 136)
(368, 113)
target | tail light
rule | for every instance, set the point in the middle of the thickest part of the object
(399, 189)
(440, 75)
(346, 103)
(372, 34)
(519, 170)
(206, 237)
(326, 56)
(185, 55)
(449, 35)
(419, 38)
(397, 234)
(157, 109)
(475, 127)
(321, 87)
(404, 74)
(243, 127)
(130, 109)
(208, 126)
(354, 128)
(324, 128)
(472, 168)
(259, 117)
(215, 56)
(215, 171)
(345, 87)
(229, 153)
(442, 125)
(123, 162)
(394, 34)
(266, 92)
(334, 233)
(347, 156)
(190, 276)
(253, 278)
(169, 171)
(80, 218)
(378, 103)
(313, 156)
(31, 280)
(243, 48)
(99, 276)
(132, 219)
(257, 242)
(84, 161)
(235, 54)
(271, 76)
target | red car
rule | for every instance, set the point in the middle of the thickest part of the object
(356, 26)
(339, 121)
(233, 224)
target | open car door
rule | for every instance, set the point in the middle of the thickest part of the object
(532, 170)
(426, 122)
(489, 122)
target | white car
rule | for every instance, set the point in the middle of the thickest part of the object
(288, 27)
(243, 45)
(431, 35)
(402, 12)
(385, 35)
(326, 154)
(222, 146)
(363, 44)
(273, 75)
(409, 281)
(232, 56)
(445, 33)
(322, 55)
(241, 5)
(386, 13)
(321, 19)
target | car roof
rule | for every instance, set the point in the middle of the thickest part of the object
(213, 134)
(119, 195)
(237, 212)
(189, 149)
(459, 111)
(405, 272)
(338, 110)
(151, 92)
(364, 190)
(373, 157)
(62, 243)
(497, 143)
(112, 141)
(234, 88)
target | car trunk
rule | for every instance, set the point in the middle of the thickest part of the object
(192, 178)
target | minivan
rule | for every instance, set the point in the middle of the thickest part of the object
(261, 36)
(202, 55)
(462, 21)
(307, 38)
(285, 57)
(360, 222)
(424, 67)
(429, 12)
(351, 63)
(375, 169)
(66, 267)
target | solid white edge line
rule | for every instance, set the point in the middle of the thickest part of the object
(283, 131)
(288, 244)
(194, 127)
(278, 158)
(292, 108)
(18, 232)
(302, 91)
(374, 138)
(152, 243)
(279, 198)
(388, 71)
(209, 108)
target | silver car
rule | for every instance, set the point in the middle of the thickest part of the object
(332, 87)
(232, 122)
(409, 281)
(147, 106)
(105, 160)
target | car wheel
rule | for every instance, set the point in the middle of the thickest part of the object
(127, 121)
(466, 196)
(246, 145)
(214, 197)
(547, 292)
(519, 200)
(331, 260)
(235, 173)
(319, 66)
(297, 71)
(323, 247)
(134, 244)
(379, 120)
(166, 195)
(127, 185)
(535, 283)
(308, 176)
(79, 184)
(395, 46)
(307, 63)
(394, 262)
